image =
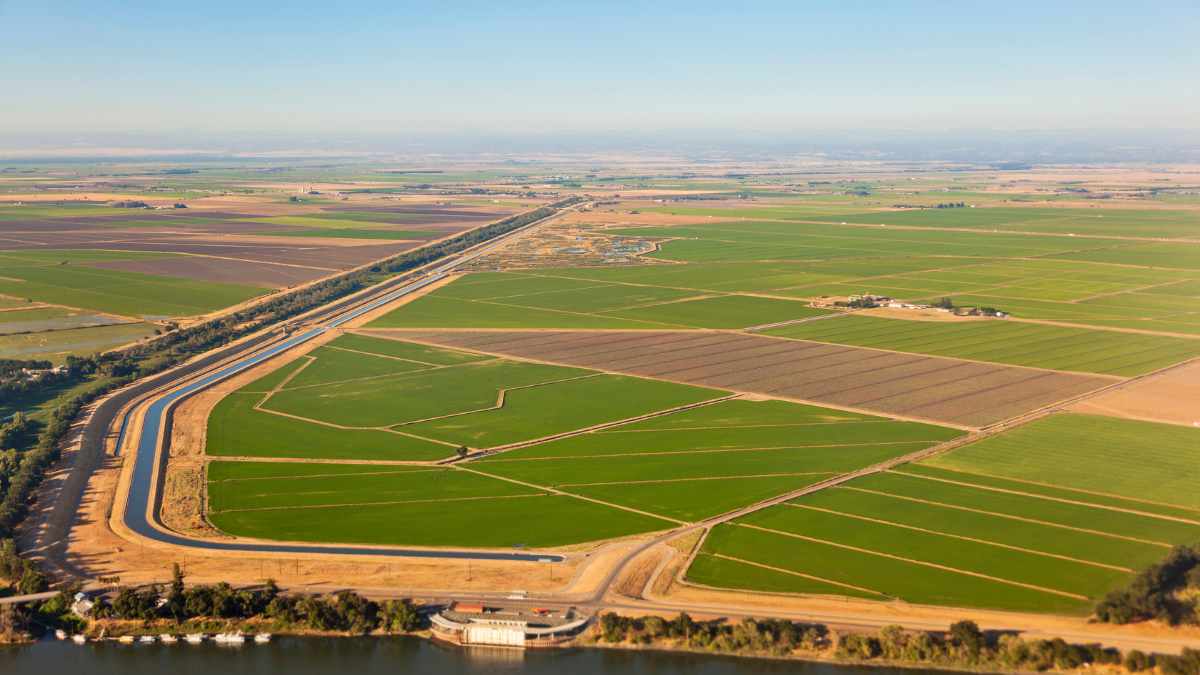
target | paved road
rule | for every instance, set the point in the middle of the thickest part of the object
(141, 509)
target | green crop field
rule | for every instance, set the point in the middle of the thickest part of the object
(1128, 458)
(509, 300)
(371, 398)
(1059, 510)
(399, 506)
(693, 464)
(44, 277)
(1022, 344)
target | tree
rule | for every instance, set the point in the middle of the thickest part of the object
(176, 601)
(32, 580)
(399, 616)
(966, 634)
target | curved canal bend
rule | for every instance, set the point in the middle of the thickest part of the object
(138, 504)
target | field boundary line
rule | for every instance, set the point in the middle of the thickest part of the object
(748, 426)
(498, 449)
(782, 570)
(366, 378)
(987, 542)
(705, 451)
(1009, 516)
(501, 399)
(945, 568)
(564, 493)
(382, 356)
(734, 389)
(1105, 507)
(701, 478)
(649, 325)
(322, 475)
(1069, 489)
(385, 503)
(1105, 376)
(833, 314)
(388, 430)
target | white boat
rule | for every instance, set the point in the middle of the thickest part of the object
(194, 638)
(148, 639)
(60, 634)
(169, 639)
(229, 638)
(125, 639)
(79, 638)
(262, 638)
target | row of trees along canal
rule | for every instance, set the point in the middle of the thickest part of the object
(29, 443)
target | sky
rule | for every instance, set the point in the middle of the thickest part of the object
(70, 69)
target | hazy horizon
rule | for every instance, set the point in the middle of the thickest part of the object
(1081, 82)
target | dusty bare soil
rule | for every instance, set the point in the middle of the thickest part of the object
(952, 391)
(1172, 396)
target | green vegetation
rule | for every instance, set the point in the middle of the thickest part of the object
(64, 278)
(237, 429)
(1164, 591)
(540, 521)
(57, 345)
(1136, 460)
(527, 300)
(1022, 344)
(386, 485)
(697, 463)
(369, 398)
(1058, 510)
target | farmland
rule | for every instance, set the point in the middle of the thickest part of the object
(936, 389)
(508, 300)
(1022, 344)
(652, 474)
(672, 349)
(368, 398)
(1009, 522)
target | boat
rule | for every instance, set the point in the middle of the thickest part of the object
(169, 639)
(60, 634)
(262, 638)
(125, 639)
(194, 638)
(148, 639)
(229, 638)
(79, 638)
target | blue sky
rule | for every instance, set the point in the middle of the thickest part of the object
(78, 67)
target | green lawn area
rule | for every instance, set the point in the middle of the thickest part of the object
(1132, 459)
(1001, 341)
(42, 277)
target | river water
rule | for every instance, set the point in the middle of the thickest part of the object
(368, 656)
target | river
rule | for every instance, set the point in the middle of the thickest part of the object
(367, 656)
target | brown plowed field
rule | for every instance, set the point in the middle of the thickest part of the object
(952, 391)
(1170, 396)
